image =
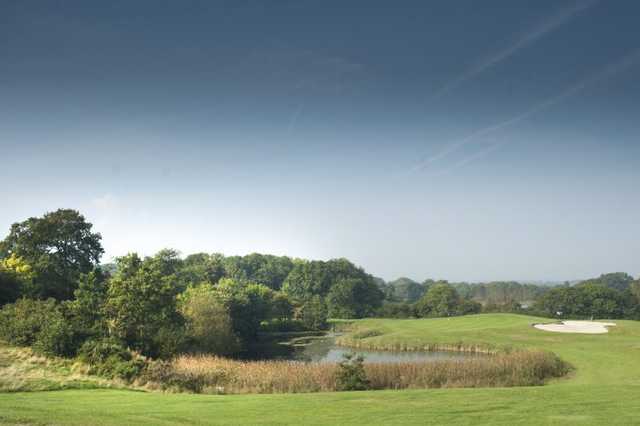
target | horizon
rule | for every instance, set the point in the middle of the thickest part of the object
(459, 141)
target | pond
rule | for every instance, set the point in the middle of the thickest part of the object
(324, 349)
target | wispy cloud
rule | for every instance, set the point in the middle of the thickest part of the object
(540, 30)
(293, 120)
(614, 68)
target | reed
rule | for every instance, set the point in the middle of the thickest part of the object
(210, 374)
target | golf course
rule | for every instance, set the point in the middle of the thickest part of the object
(602, 388)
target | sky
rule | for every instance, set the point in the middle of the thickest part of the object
(458, 140)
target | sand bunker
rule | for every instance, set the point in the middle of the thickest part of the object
(585, 327)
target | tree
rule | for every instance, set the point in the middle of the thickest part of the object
(617, 280)
(208, 322)
(354, 298)
(87, 308)
(407, 290)
(58, 247)
(583, 301)
(202, 267)
(281, 307)
(635, 289)
(140, 306)
(441, 300)
(313, 314)
(248, 303)
(307, 279)
(311, 278)
(16, 279)
(264, 269)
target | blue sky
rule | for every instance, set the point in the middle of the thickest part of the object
(461, 140)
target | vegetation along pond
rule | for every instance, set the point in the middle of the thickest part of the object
(322, 348)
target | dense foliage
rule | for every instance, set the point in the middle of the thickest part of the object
(58, 247)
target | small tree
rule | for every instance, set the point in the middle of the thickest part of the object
(351, 375)
(441, 300)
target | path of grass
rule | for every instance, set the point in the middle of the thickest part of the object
(604, 390)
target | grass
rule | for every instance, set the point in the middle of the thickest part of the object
(604, 389)
(21, 370)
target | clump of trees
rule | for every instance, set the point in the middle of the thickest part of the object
(60, 300)
(614, 295)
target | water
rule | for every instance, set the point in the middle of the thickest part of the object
(323, 349)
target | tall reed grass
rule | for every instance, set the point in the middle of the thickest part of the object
(210, 374)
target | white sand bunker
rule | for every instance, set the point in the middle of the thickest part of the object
(585, 327)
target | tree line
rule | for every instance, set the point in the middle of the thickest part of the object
(59, 299)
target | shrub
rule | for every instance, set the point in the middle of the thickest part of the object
(396, 310)
(40, 324)
(109, 358)
(21, 322)
(56, 338)
(351, 375)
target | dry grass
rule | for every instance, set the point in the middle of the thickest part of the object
(208, 374)
(23, 370)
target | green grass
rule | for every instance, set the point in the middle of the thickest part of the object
(604, 389)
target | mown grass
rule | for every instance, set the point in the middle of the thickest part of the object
(604, 389)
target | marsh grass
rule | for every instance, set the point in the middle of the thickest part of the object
(209, 374)
(357, 340)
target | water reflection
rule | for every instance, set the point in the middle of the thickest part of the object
(324, 349)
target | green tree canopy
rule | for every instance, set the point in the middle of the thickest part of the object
(616, 280)
(58, 246)
(441, 300)
(140, 306)
(311, 278)
(406, 290)
(264, 269)
(354, 298)
(208, 322)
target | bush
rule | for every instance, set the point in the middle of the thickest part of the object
(40, 324)
(21, 322)
(170, 341)
(56, 338)
(351, 375)
(109, 358)
(396, 310)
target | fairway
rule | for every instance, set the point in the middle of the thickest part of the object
(603, 389)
